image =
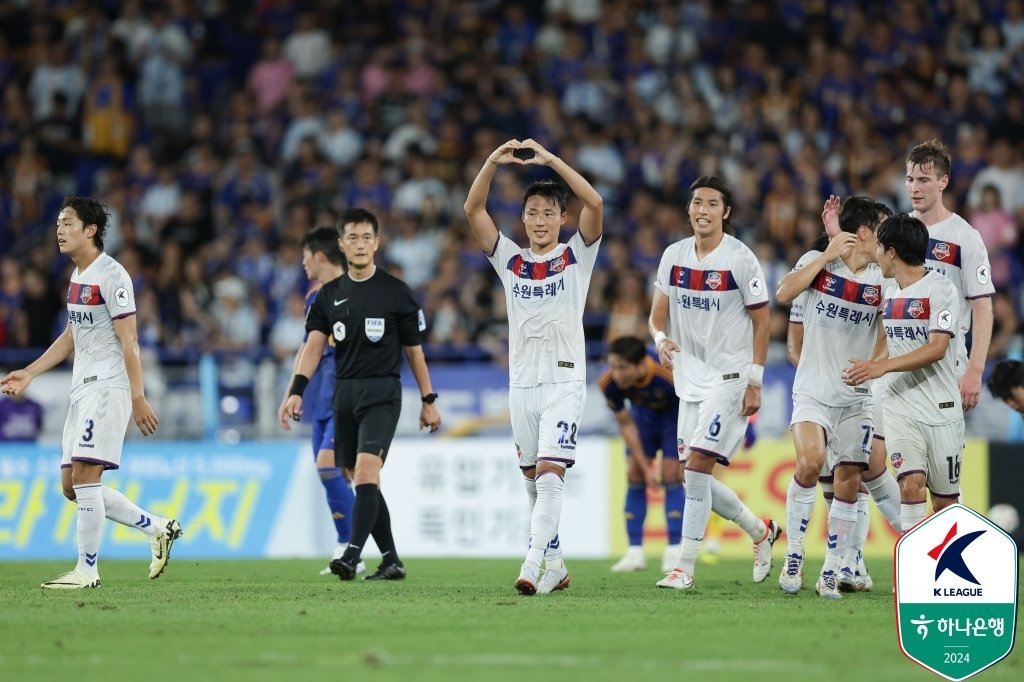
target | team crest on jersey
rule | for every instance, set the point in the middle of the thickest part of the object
(714, 279)
(557, 264)
(916, 309)
(941, 251)
(86, 294)
(897, 459)
(374, 328)
(871, 295)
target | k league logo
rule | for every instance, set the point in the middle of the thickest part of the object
(956, 593)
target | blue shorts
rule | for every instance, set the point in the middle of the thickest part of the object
(656, 437)
(323, 435)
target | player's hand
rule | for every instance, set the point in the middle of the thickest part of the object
(830, 216)
(751, 400)
(860, 371)
(541, 156)
(144, 416)
(840, 245)
(970, 389)
(665, 351)
(430, 417)
(651, 476)
(503, 154)
(292, 407)
(283, 418)
(15, 382)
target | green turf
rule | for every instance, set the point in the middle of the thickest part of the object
(450, 620)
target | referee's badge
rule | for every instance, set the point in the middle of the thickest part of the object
(374, 327)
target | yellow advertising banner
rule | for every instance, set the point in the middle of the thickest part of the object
(760, 477)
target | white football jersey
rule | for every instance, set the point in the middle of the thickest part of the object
(839, 312)
(931, 394)
(707, 304)
(97, 296)
(956, 250)
(545, 296)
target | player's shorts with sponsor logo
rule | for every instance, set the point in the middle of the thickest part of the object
(546, 421)
(713, 426)
(95, 428)
(848, 429)
(935, 450)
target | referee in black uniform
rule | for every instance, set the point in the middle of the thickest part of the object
(373, 317)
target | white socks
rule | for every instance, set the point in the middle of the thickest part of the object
(546, 512)
(886, 492)
(860, 536)
(912, 514)
(799, 508)
(89, 497)
(727, 504)
(553, 553)
(695, 518)
(122, 510)
(842, 524)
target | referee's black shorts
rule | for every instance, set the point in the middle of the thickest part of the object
(365, 417)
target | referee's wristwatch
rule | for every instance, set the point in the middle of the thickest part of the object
(429, 398)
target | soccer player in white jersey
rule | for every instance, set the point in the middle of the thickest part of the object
(106, 391)
(840, 291)
(545, 291)
(956, 250)
(923, 414)
(709, 319)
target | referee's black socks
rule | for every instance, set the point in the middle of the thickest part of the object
(382, 532)
(364, 518)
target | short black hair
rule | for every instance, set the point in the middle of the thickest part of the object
(821, 243)
(907, 235)
(931, 154)
(715, 183)
(1006, 376)
(91, 212)
(553, 191)
(352, 216)
(860, 210)
(629, 348)
(324, 239)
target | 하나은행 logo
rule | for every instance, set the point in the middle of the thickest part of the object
(956, 593)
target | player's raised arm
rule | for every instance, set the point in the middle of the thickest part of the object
(476, 201)
(802, 277)
(142, 413)
(17, 381)
(592, 216)
(860, 371)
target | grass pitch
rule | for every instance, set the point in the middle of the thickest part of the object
(450, 620)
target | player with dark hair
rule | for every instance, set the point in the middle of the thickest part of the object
(324, 262)
(649, 425)
(372, 317)
(923, 415)
(545, 292)
(106, 392)
(840, 297)
(1006, 382)
(710, 296)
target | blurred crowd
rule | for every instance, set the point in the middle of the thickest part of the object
(219, 131)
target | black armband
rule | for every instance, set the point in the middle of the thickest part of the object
(299, 384)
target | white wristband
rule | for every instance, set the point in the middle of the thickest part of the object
(756, 375)
(658, 338)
